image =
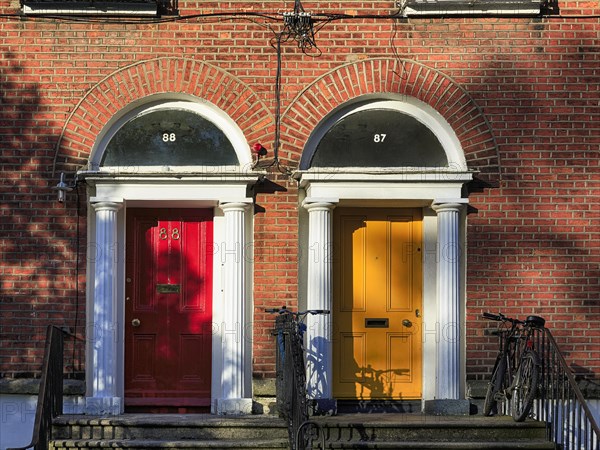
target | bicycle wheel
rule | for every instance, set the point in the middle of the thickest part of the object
(494, 386)
(526, 383)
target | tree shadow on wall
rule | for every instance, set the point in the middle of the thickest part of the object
(536, 246)
(40, 251)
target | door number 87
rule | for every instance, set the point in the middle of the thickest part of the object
(377, 138)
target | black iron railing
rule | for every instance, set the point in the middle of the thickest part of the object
(50, 396)
(560, 403)
(292, 403)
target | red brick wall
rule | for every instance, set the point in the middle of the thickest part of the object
(522, 95)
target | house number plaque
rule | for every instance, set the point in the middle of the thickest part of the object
(167, 288)
(163, 234)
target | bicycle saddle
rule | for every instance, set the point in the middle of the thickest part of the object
(536, 321)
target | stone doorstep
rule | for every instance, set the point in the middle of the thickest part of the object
(169, 420)
(270, 445)
(420, 445)
(404, 420)
(169, 426)
(420, 431)
(376, 431)
(420, 427)
(261, 444)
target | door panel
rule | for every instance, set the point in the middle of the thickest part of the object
(377, 289)
(168, 308)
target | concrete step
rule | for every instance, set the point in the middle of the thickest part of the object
(173, 431)
(424, 432)
(420, 445)
(221, 444)
(344, 431)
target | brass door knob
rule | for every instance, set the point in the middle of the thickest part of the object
(136, 322)
(407, 323)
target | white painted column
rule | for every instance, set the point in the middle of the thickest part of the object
(104, 329)
(234, 399)
(319, 296)
(448, 362)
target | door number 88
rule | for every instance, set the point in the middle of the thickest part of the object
(163, 234)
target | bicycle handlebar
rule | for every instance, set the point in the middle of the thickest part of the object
(501, 318)
(284, 310)
(491, 316)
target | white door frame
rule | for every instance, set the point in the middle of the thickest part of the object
(232, 254)
(439, 191)
(111, 192)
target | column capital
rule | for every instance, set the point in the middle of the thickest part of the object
(455, 204)
(319, 204)
(234, 205)
(106, 203)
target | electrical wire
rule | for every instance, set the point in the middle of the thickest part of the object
(276, 42)
(127, 20)
(277, 141)
(401, 61)
(274, 16)
(298, 26)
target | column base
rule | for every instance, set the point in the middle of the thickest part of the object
(233, 406)
(103, 406)
(447, 407)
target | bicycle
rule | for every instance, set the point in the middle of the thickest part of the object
(516, 372)
(291, 397)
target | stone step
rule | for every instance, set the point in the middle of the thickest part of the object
(344, 431)
(172, 427)
(221, 444)
(424, 431)
(433, 445)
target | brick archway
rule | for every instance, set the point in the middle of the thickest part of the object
(399, 77)
(171, 77)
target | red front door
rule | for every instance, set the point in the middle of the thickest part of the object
(168, 310)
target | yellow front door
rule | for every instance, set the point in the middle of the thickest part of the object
(377, 305)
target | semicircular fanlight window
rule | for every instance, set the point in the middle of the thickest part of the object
(379, 138)
(169, 137)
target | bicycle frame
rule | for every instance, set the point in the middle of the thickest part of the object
(508, 351)
(516, 371)
(292, 400)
